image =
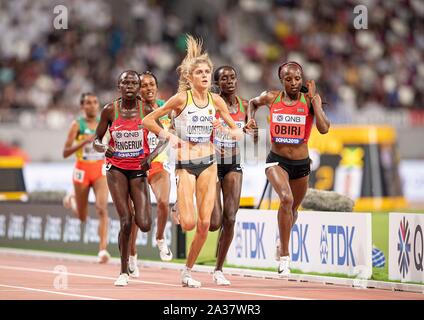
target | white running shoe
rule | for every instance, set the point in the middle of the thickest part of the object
(133, 267)
(103, 256)
(69, 202)
(219, 278)
(188, 281)
(122, 280)
(164, 252)
(284, 266)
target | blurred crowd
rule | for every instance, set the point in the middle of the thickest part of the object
(43, 71)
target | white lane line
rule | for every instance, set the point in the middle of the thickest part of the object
(257, 294)
(55, 292)
(151, 282)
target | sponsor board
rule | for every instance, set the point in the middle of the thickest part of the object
(406, 247)
(325, 242)
(51, 227)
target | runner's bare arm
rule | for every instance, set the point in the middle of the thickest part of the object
(322, 123)
(145, 162)
(264, 99)
(175, 103)
(106, 117)
(222, 108)
(69, 147)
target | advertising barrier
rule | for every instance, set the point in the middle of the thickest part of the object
(43, 226)
(406, 247)
(325, 242)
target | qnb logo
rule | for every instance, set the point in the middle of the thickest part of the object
(195, 118)
(418, 248)
(280, 118)
(404, 247)
(249, 240)
(336, 245)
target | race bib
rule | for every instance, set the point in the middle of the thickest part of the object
(225, 140)
(199, 128)
(79, 175)
(288, 128)
(128, 144)
(152, 140)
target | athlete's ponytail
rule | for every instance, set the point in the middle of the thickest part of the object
(193, 57)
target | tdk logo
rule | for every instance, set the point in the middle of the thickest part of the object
(298, 243)
(249, 240)
(336, 245)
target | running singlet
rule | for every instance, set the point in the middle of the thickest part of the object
(153, 139)
(225, 140)
(129, 138)
(87, 152)
(194, 124)
(290, 124)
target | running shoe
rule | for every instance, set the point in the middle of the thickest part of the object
(284, 266)
(187, 280)
(103, 256)
(164, 252)
(69, 202)
(219, 278)
(133, 267)
(122, 280)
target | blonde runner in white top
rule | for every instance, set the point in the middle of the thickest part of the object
(194, 123)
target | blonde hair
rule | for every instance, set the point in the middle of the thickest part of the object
(192, 59)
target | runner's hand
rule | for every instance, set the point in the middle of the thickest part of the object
(251, 128)
(312, 90)
(216, 124)
(145, 163)
(109, 151)
(174, 141)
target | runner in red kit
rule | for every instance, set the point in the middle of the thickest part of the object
(230, 173)
(288, 165)
(127, 160)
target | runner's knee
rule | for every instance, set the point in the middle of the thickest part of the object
(126, 223)
(229, 221)
(101, 210)
(286, 200)
(203, 226)
(144, 223)
(215, 223)
(187, 222)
